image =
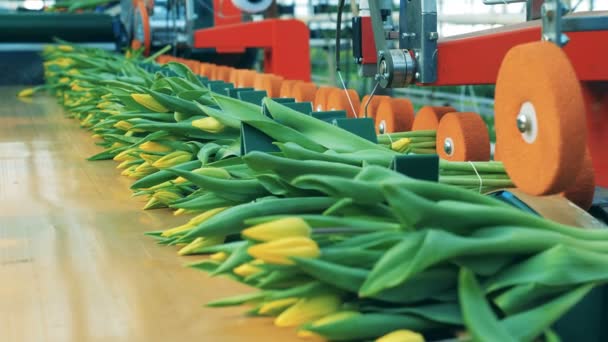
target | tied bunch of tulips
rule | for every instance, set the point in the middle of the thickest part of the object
(337, 244)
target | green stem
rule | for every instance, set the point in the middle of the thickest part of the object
(157, 53)
(422, 145)
(481, 167)
(474, 180)
(386, 139)
(423, 151)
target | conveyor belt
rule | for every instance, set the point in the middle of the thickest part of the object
(74, 264)
(43, 27)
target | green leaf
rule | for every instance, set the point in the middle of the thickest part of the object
(288, 169)
(559, 266)
(478, 316)
(237, 300)
(527, 326)
(328, 135)
(370, 326)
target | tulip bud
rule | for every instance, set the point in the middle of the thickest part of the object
(166, 197)
(219, 256)
(279, 251)
(125, 155)
(276, 306)
(246, 270)
(401, 145)
(278, 229)
(331, 318)
(150, 158)
(199, 243)
(152, 146)
(401, 336)
(123, 125)
(27, 92)
(209, 124)
(308, 309)
(215, 172)
(149, 102)
(172, 159)
(65, 48)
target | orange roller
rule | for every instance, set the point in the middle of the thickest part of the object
(372, 107)
(162, 59)
(222, 73)
(207, 70)
(234, 76)
(337, 100)
(463, 137)
(246, 78)
(540, 119)
(193, 65)
(582, 191)
(270, 83)
(304, 91)
(257, 83)
(286, 88)
(394, 115)
(320, 100)
(428, 117)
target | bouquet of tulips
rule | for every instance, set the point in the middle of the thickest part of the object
(337, 244)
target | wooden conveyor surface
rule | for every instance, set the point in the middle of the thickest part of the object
(74, 263)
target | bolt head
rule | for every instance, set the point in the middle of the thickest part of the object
(448, 147)
(523, 124)
(381, 127)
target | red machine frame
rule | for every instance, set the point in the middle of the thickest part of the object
(285, 43)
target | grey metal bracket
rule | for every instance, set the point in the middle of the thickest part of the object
(418, 33)
(552, 12)
(416, 58)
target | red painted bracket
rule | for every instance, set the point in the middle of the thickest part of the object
(368, 44)
(225, 13)
(285, 43)
(476, 58)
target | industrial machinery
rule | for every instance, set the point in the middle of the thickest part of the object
(410, 52)
(218, 31)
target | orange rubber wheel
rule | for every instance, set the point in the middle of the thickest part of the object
(272, 85)
(257, 83)
(246, 78)
(582, 191)
(286, 88)
(222, 73)
(204, 70)
(193, 65)
(320, 100)
(428, 117)
(234, 76)
(269, 83)
(540, 120)
(338, 100)
(394, 115)
(162, 59)
(304, 91)
(463, 137)
(372, 106)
